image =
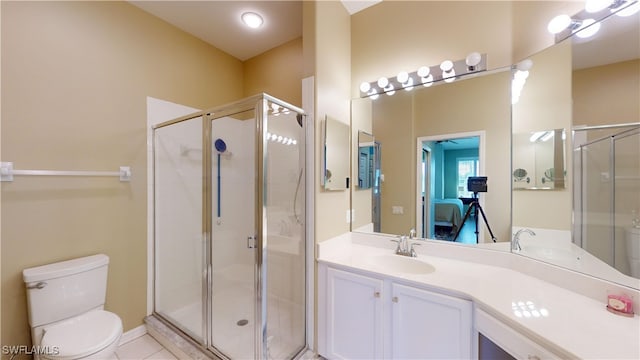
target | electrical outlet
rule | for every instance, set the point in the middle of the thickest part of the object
(348, 216)
(397, 210)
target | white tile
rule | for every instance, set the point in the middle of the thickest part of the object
(139, 348)
(163, 354)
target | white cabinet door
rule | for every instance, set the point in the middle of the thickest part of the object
(427, 325)
(354, 311)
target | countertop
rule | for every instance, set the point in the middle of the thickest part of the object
(570, 324)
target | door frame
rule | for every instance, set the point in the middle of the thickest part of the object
(481, 134)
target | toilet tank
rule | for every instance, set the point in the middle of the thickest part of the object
(64, 289)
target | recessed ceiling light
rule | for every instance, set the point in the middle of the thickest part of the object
(252, 20)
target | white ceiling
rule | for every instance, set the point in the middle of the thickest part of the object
(218, 22)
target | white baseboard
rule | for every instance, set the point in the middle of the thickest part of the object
(133, 334)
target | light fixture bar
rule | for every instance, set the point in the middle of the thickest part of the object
(434, 74)
(577, 19)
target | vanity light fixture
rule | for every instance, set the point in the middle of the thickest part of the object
(252, 20)
(629, 10)
(587, 22)
(593, 6)
(426, 76)
(588, 28)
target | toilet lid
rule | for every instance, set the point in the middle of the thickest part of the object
(82, 335)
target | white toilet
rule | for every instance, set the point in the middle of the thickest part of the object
(632, 238)
(65, 302)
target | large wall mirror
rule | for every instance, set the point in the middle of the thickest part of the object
(428, 142)
(580, 95)
(589, 89)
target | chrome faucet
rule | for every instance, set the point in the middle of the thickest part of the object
(405, 248)
(515, 244)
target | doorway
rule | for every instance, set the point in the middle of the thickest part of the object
(444, 163)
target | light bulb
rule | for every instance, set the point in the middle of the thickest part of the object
(451, 76)
(559, 23)
(446, 65)
(408, 86)
(588, 28)
(252, 20)
(525, 65)
(423, 71)
(629, 10)
(365, 87)
(427, 81)
(402, 77)
(383, 82)
(593, 6)
(473, 59)
(521, 75)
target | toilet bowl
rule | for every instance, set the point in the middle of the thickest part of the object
(66, 310)
(632, 239)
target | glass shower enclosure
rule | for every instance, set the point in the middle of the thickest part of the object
(229, 199)
(607, 191)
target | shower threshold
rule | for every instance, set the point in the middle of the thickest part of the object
(184, 348)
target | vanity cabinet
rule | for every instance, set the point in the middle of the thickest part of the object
(365, 317)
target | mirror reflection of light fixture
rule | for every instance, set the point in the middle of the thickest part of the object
(519, 79)
(588, 28)
(629, 10)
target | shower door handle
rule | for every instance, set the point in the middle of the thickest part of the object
(251, 242)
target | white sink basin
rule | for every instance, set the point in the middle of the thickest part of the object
(401, 264)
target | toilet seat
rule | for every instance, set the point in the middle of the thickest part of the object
(82, 335)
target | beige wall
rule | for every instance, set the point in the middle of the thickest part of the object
(332, 97)
(277, 72)
(75, 80)
(545, 104)
(599, 89)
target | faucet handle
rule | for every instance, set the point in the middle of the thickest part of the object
(399, 242)
(412, 233)
(412, 251)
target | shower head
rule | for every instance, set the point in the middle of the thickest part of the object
(220, 145)
(299, 119)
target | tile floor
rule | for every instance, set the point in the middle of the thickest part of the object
(144, 347)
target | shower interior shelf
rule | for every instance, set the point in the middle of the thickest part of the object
(7, 172)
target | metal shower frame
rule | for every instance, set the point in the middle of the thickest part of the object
(259, 103)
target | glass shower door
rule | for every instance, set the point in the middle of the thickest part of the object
(284, 255)
(179, 246)
(233, 227)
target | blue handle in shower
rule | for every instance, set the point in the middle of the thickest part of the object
(218, 185)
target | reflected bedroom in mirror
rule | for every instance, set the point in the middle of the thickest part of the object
(589, 86)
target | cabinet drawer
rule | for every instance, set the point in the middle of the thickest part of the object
(511, 341)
